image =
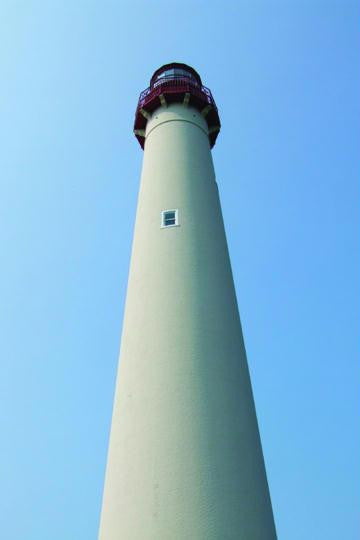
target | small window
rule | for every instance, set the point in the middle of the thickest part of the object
(169, 218)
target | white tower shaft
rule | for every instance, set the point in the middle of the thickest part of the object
(185, 459)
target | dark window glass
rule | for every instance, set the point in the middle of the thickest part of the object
(169, 219)
(177, 72)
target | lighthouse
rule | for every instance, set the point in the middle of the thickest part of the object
(185, 460)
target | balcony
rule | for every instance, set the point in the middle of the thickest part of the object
(176, 87)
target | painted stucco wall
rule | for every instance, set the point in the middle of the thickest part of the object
(185, 459)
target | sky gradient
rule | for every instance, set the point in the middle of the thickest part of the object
(285, 76)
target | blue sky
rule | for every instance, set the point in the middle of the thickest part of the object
(286, 79)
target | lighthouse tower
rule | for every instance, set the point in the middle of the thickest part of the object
(185, 459)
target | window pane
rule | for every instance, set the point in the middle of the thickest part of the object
(169, 218)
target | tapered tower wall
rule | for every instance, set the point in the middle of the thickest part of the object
(185, 459)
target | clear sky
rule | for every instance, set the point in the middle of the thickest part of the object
(286, 79)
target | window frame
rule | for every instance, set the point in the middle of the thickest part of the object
(163, 217)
